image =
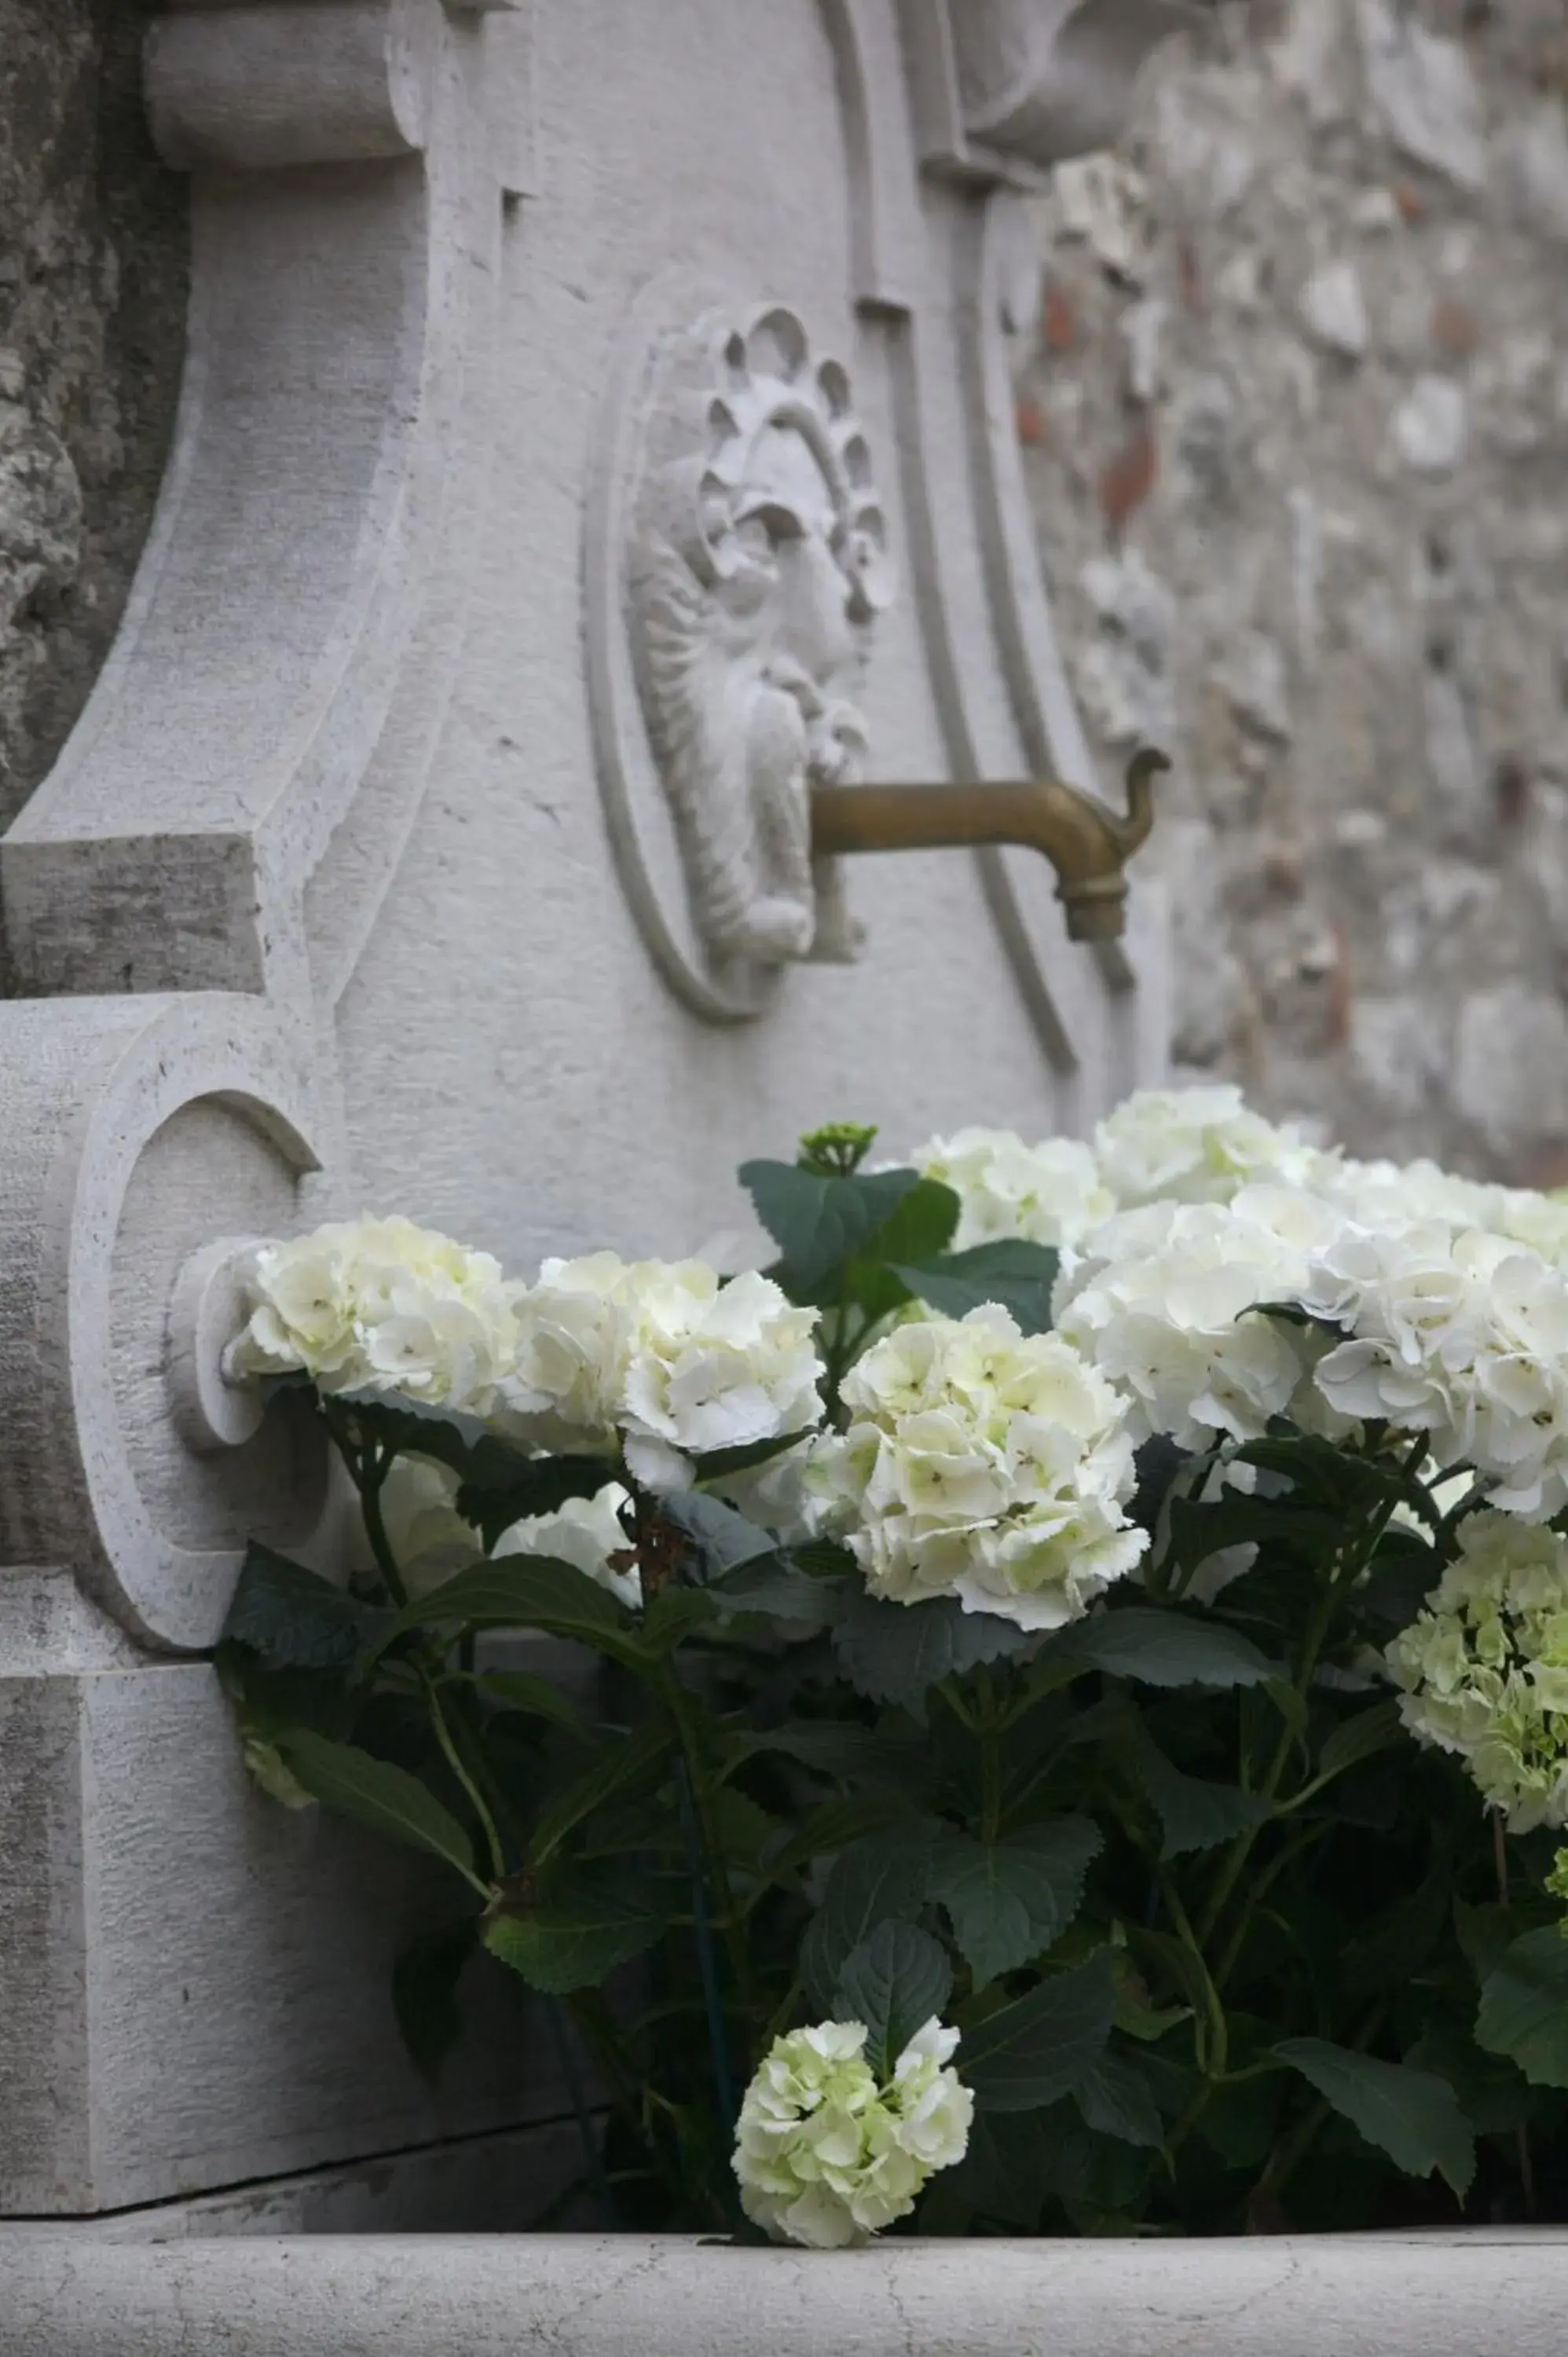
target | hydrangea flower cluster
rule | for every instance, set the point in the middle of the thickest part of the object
(1463, 1335)
(1048, 1194)
(586, 1532)
(1483, 1670)
(661, 1357)
(428, 1537)
(1196, 1145)
(430, 1540)
(1393, 1195)
(826, 2156)
(664, 1357)
(384, 1305)
(985, 1464)
(1163, 1301)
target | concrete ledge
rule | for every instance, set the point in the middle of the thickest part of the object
(1498, 2294)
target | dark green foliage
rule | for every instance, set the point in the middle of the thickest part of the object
(895, 1981)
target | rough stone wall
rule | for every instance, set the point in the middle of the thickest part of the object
(1296, 423)
(92, 272)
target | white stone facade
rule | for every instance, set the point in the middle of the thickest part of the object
(347, 888)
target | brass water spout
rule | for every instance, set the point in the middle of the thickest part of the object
(1086, 843)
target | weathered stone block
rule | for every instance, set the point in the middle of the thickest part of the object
(197, 1981)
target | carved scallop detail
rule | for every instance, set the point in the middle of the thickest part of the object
(740, 551)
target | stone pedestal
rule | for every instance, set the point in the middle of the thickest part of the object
(595, 432)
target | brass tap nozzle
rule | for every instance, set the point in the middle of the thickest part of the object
(1085, 842)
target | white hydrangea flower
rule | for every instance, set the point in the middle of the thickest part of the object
(430, 1540)
(1047, 1194)
(1462, 1335)
(1387, 1196)
(1483, 1670)
(714, 1366)
(1198, 1146)
(585, 1531)
(1541, 1221)
(428, 1537)
(575, 1328)
(662, 1356)
(1164, 1302)
(782, 1495)
(985, 1464)
(1391, 1196)
(826, 2156)
(381, 1304)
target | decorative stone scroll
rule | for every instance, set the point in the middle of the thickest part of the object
(523, 558)
(1011, 87)
(744, 550)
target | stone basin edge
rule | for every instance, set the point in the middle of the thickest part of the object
(1497, 2292)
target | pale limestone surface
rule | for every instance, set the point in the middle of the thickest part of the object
(330, 899)
(1273, 2296)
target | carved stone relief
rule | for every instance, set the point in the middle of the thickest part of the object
(744, 550)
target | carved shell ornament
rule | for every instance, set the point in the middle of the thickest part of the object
(758, 566)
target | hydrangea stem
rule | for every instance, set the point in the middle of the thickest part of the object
(1354, 1555)
(707, 1958)
(369, 1469)
(988, 1725)
(469, 1782)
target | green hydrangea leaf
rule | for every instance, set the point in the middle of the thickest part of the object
(1008, 2168)
(897, 1653)
(1361, 1738)
(1029, 2053)
(819, 1223)
(536, 1696)
(1008, 1901)
(293, 1618)
(1413, 2115)
(1524, 2006)
(528, 1592)
(1114, 2100)
(833, 1747)
(774, 1589)
(1162, 1649)
(407, 1426)
(572, 1939)
(881, 1878)
(377, 1794)
(628, 1761)
(1195, 1813)
(1017, 1277)
(919, 1226)
(894, 1982)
